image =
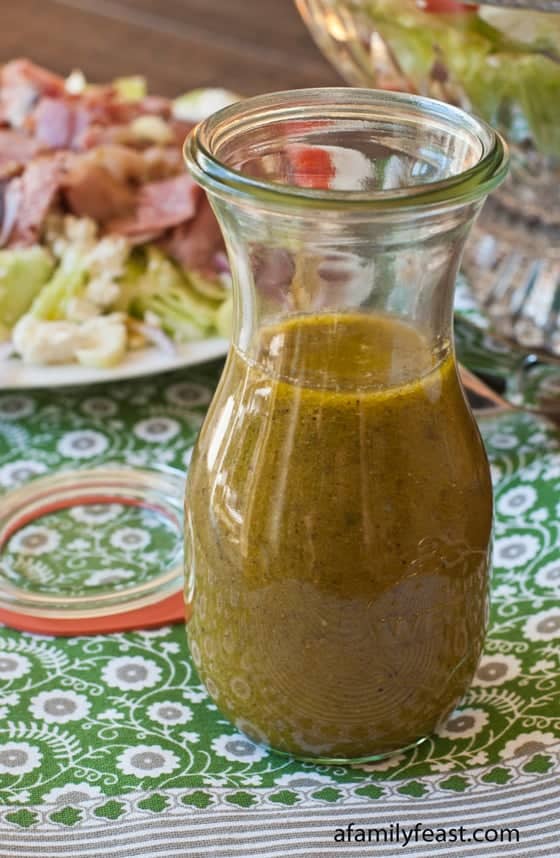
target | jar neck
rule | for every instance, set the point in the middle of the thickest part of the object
(284, 266)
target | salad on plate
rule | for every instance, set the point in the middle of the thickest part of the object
(107, 246)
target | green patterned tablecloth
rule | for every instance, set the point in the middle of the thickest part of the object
(109, 744)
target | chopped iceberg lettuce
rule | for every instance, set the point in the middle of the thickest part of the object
(23, 273)
(197, 104)
(132, 88)
(158, 288)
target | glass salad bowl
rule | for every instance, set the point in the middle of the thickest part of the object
(500, 60)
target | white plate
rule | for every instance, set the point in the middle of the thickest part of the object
(15, 375)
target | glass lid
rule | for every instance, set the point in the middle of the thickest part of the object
(91, 543)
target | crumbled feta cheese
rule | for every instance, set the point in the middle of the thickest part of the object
(102, 291)
(104, 341)
(41, 342)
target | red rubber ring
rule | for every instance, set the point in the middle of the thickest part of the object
(166, 612)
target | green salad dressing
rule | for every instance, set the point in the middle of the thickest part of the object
(339, 520)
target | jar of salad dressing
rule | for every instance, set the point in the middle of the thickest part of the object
(339, 503)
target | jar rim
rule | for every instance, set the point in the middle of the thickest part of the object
(460, 188)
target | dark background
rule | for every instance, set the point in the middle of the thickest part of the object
(249, 46)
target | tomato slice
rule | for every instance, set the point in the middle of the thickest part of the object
(310, 166)
(446, 7)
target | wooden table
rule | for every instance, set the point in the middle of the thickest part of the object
(247, 45)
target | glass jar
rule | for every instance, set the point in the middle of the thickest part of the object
(339, 503)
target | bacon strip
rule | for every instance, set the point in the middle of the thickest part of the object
(92, 191)
(160, 205)
(59, 123)
(16, 148)
(38, 188)
(22, 83)
(194, 245)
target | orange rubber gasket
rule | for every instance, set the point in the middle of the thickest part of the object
(165, 612)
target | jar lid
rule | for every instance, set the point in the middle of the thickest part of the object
(88, 551)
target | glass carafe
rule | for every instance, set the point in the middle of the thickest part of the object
(339, 503)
